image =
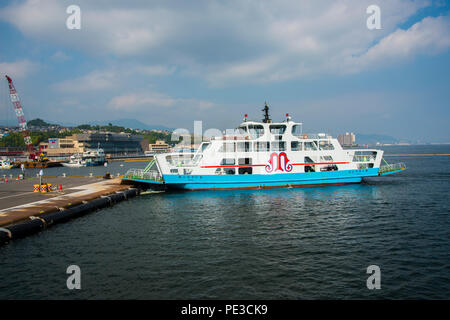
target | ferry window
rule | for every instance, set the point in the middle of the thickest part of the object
(245, 170)
(326, 158)
(228, 147)
(297, 130)
(227, 162)
(277, 129)
(278, 146)
(262, 146)
(330, 167)
(244, 147)
(325, 145)
(242, 161)
(174, 171)
(310, 168)
(310, 146)
(296, 146)
(229, 170)
(242, 130)
(205, 145)
(256, 130)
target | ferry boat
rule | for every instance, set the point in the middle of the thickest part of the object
(260, 155)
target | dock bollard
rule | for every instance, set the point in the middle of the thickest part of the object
(118, 175)
(90, 174)
(64, 175)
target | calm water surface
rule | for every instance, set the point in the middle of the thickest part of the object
(300, 243)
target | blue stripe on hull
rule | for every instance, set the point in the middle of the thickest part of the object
(195, 182)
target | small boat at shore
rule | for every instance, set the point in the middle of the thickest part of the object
(75, 162)
(86, 159)
(5, 164)
(94, 157)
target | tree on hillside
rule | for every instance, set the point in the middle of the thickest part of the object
(39, 123)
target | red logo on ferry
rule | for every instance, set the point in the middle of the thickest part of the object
(282, 163)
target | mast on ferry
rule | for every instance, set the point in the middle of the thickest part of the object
(266, 113)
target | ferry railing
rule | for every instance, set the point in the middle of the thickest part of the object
(312, 136)
(363, 158)
(143, 175)
(392, 167)
(184, 159)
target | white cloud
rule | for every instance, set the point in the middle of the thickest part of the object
(429, 36)
(18, 69)
(155, 70)
(237, 41)
(136, 101)
(60, 56)
(147, 101)
(94, 81)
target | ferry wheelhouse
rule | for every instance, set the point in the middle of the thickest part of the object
(264, 154)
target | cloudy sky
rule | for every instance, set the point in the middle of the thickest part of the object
(172, 62)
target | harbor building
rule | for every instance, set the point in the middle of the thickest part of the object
(113, 144)
(347, 139)
(159, 147)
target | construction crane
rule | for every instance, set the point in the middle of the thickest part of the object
(21, 117)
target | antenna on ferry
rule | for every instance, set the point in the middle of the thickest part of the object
(245, 117)
(288, 117)
(266, 113)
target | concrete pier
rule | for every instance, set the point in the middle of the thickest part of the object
(18, 202)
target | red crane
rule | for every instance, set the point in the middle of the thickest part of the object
(21, 117)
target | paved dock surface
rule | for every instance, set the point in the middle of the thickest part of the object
(18, 201)
(19, 192)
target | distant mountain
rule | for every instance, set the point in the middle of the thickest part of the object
(131, 123)
(39, 123)
(372, 139)
(127, 123)
(66, 124)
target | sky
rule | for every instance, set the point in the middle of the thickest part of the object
(172, 62)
